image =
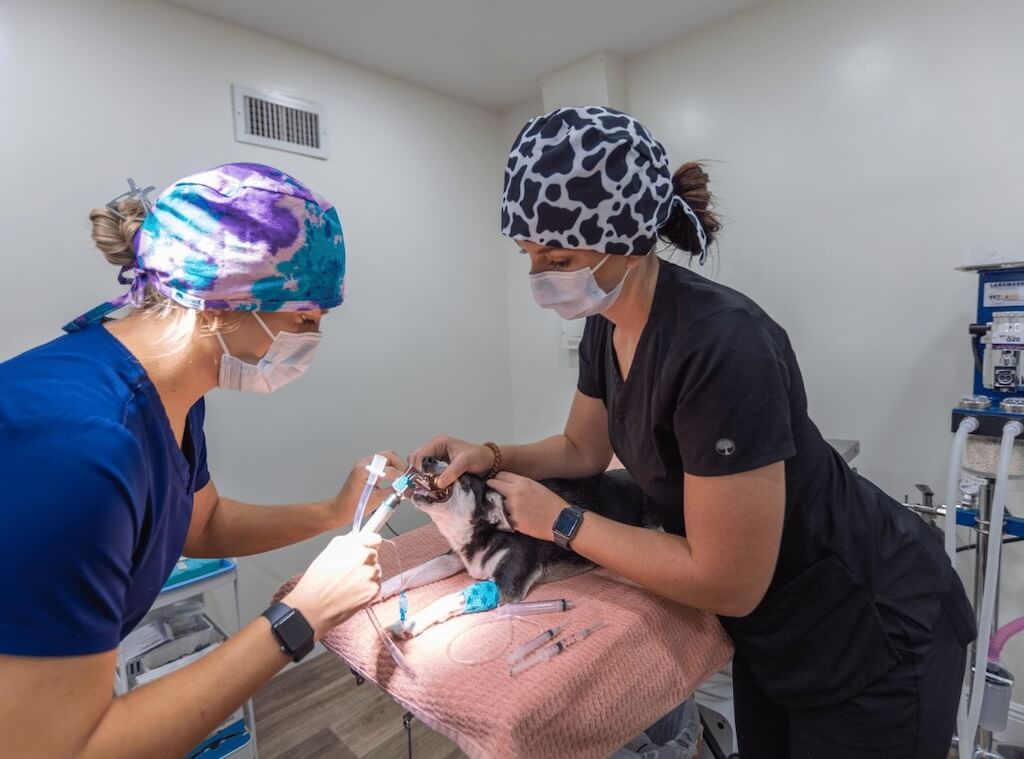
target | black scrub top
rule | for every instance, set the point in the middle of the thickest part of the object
(715, 389)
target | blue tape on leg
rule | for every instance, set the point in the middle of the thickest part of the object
(403, 606)
(480, 596)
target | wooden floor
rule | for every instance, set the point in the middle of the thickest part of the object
(316, 711)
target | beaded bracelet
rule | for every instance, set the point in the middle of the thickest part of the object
(497, 460)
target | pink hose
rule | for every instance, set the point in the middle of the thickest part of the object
(1002, 636)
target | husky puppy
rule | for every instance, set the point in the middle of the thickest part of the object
(472, 518)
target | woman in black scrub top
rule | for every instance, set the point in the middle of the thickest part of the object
(849, 623)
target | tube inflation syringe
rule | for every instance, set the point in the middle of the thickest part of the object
(549, 652)
(533, 644)
(376, 470)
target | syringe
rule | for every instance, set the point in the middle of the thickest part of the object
(534, 607)
(555, 649)
(533, 644)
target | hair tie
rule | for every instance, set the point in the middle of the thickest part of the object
(142, 195)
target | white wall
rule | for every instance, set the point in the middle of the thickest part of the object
(94, 92)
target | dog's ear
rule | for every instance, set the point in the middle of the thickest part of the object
(497, 514)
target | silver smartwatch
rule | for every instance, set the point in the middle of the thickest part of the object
(567, 525)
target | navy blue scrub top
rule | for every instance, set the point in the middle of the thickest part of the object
(715, 389)
(97, 495)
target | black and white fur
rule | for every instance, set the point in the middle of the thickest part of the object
(474, 522)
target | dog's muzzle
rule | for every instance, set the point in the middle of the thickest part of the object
(426, 483)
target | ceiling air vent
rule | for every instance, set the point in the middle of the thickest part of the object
(276, 120)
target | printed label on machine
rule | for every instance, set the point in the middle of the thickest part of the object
(1007, 333)
(1004, 293)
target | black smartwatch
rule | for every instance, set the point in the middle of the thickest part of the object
(567, 525)
(291, 630)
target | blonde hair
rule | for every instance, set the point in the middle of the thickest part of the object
(114, 235)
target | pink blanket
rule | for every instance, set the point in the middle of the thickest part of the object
(585, 703)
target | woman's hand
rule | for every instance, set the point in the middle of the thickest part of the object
(343, 579)
(342, 509)
(532, 508)
(461, 456)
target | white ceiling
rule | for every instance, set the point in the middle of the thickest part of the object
(490, 52)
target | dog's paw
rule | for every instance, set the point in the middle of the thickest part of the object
(402, 630)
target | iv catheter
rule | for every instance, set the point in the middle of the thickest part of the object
(533, 644)
(390, 645)
(534, 607)
(376, 470)
(555, 649)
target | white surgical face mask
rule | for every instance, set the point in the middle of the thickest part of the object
(289, 355)
(574, 294)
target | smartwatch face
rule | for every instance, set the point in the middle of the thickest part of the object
(566, 522)
(294, 631)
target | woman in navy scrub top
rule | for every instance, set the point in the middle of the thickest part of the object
(104, 466)
(849, 624)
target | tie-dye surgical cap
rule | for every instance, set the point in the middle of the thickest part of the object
(239, 237)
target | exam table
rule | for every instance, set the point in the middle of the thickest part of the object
(582, 704)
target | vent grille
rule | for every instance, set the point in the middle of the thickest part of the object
(279, 122)
(275, 120)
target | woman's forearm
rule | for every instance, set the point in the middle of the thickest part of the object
(556, 456)
(243, 529)
(662, 563)
(168, 717)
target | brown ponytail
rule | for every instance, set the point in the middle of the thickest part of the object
(690, 182)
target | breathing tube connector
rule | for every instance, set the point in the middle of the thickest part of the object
(376, 470)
